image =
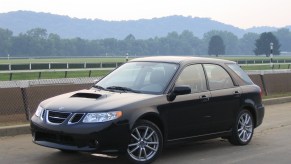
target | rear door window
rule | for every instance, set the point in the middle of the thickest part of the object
(217, 77)
(244, 76)
(193, 76)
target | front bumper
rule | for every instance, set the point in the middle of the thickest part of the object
(109, 137)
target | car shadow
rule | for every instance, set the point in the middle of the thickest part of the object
(176, 151)
(77, 158)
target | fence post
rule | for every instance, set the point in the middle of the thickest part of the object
(264, 85)
(90, 73)
(39, 75)
(66, 73)
(24, 99)
(10, 76)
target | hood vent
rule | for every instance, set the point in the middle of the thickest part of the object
(87, 95)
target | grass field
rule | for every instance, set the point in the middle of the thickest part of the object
(97, 73)
(52, 75)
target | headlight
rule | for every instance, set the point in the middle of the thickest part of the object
(102, 117)
(39, 111)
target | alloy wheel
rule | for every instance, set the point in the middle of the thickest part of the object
(245, 127)
(144, 143)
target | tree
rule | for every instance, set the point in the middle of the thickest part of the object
(216, 46)
(5, 41)
(263, 44)
(247, 43)
(37, 33)
(190, 43)
(284, 37)
(229, 39)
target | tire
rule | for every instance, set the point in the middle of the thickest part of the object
(243, 129)
(146, 142)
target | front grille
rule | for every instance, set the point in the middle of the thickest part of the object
(55, 117)
(76, 118)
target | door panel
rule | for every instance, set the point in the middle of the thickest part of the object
(188, 116)
(225, 97)
(224, 104)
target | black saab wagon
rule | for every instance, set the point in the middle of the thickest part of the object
(150, 102)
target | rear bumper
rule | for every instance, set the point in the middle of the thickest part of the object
(260, 112)
(103, 138)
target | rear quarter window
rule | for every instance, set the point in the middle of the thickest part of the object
(242, 74)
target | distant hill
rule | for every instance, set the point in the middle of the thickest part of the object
(262, 29)
(66, 27)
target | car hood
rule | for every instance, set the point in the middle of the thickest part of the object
(99, 100)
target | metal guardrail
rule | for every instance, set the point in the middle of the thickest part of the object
(57, 65)
(263, 61)
(88, 65)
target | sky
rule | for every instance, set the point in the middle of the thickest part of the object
(240, 13)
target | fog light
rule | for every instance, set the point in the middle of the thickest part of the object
(96, 143)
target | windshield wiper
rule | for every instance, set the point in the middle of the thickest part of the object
(125, 89)
(98, 87)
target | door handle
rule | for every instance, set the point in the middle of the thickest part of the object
(236, 93)
(204, 98)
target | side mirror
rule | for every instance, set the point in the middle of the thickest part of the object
(182, 90)
(178, 90)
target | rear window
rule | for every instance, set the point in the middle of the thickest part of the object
(236, 68)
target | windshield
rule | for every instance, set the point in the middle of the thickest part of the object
(144, 77)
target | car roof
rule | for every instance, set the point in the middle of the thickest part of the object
(180, 59)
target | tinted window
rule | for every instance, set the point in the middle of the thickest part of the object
(218, 78)
(240, 73)
(193, 76)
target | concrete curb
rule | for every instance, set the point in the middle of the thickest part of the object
(279, 100)
(14, 130)
(25, 129)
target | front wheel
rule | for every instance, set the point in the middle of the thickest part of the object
(146, 142)
(243, 129)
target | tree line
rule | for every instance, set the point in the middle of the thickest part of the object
(38, 42)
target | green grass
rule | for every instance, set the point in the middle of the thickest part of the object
(52, 75)
(265, 67)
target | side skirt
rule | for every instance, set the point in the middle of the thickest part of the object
(200, 137)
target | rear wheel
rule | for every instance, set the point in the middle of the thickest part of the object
(146, 142)
(243, 129)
